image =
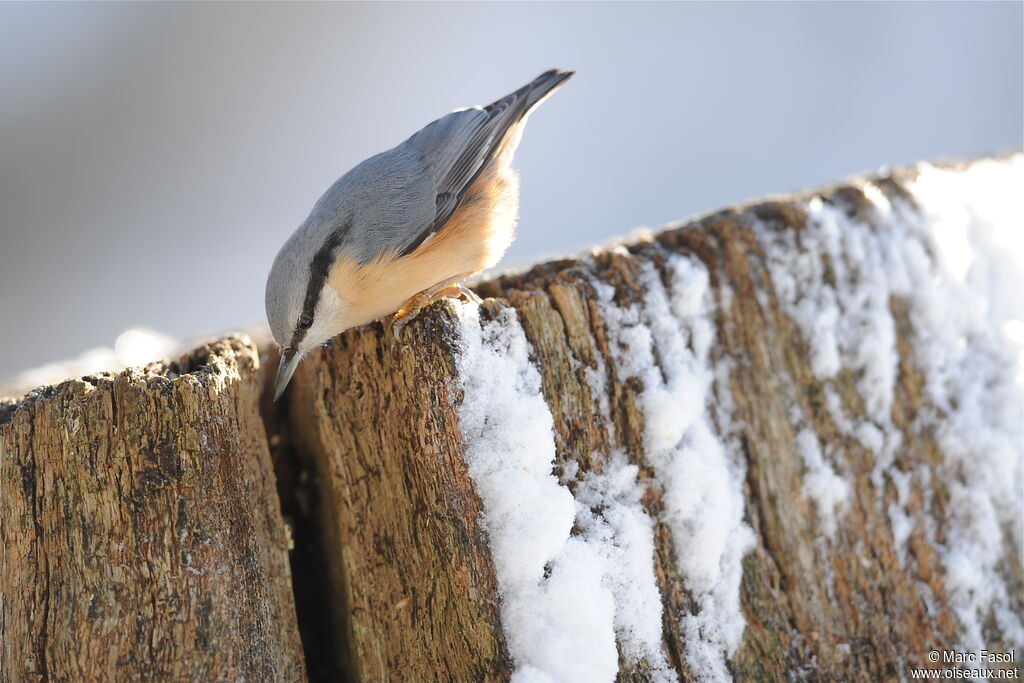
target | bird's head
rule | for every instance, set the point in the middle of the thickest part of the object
(302, 309)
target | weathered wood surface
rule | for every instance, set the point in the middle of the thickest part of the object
(377, 424)
(142, 537)
(409, 566)
(140, 529)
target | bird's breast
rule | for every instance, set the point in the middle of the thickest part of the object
(473, 239)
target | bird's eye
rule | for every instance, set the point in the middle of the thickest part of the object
(305, 322)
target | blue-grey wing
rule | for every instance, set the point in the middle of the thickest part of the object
(456, 148)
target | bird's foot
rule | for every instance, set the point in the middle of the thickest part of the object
(408, 312)
(457, 292)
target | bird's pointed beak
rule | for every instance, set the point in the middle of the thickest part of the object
(289, 361)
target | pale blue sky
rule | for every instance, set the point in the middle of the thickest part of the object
(155, 156)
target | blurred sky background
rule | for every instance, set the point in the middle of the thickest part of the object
(154, 157)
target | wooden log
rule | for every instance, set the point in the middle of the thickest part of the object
(779, 442)
(140, 528)
(408, 560)
(829, 519)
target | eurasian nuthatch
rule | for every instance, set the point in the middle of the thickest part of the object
(403, 228)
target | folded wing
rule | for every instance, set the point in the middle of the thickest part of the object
(456, 148)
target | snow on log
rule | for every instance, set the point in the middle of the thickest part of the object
(783, 441)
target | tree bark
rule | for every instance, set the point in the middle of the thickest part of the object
(142, 535)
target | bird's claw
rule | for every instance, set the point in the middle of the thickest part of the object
(413, 306)
(398, 324)
(407, 313)
(456, 292)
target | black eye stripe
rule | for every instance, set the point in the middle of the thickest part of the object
(318, 271)
(305, 322)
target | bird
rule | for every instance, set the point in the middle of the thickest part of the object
(403, 228)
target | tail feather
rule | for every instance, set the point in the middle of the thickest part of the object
(544, 85)
(481, 140)
(533, 93)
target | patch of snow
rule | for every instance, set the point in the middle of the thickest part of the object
(614, 522)
(89, 362)
(835, 280)
(666, 342)
(973, 371)
(560, 624)
(138, 346)
(564, 597)
(956, 257)
(595, 378)
(828, 490)
(611, 515)
(576, 573)
(134, 347)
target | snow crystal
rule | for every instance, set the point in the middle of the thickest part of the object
(665, 342)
